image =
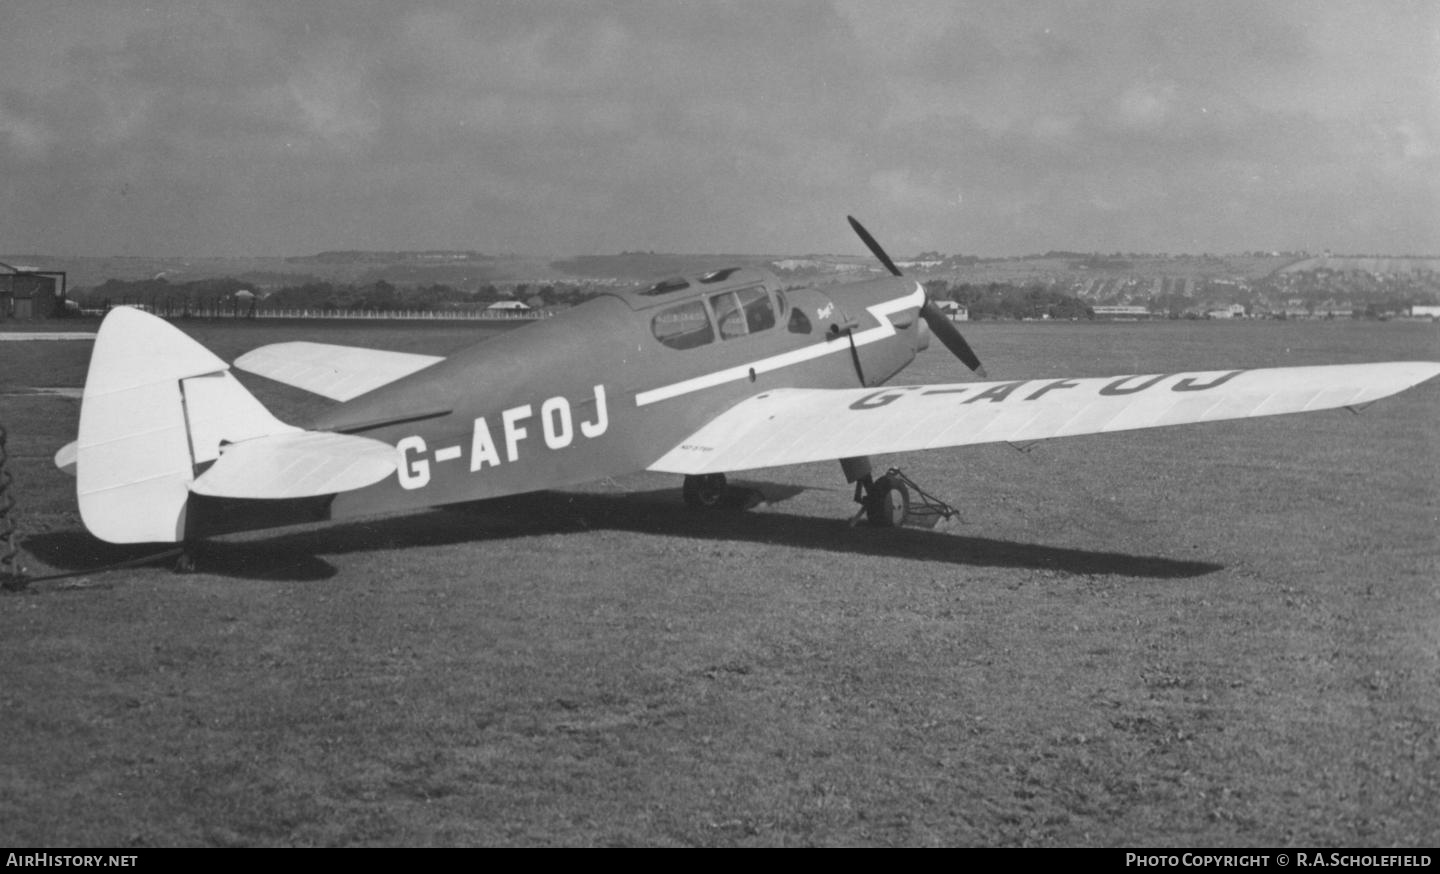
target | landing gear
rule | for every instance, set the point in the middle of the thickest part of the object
(894, 500)
(704, 492)
(887, 503)
(185, 562)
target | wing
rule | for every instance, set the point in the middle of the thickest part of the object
(794, 426)
(336, 372)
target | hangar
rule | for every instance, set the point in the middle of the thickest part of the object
(27, 295)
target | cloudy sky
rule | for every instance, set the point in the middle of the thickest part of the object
(282, 128)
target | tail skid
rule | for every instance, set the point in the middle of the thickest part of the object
(162, 416)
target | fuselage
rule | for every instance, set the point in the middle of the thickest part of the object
(605, 388)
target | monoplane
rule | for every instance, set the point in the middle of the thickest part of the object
(699, 376)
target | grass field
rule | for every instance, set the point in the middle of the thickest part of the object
(1225, 634)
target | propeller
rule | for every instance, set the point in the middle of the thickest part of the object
(940, 325)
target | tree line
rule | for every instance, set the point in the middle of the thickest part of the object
(159, 293)
(1003, 300)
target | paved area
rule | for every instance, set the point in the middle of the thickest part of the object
(30, 391)
(16, 336)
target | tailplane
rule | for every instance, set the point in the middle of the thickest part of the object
(162, 417)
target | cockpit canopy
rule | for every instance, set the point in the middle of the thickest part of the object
(727, 304)
(680, 287)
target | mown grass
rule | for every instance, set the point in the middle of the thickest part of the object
(1218, 635)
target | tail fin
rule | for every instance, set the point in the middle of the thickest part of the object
(159, 410)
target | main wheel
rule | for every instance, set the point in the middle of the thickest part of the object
(185, 563)
(704, 492)
(888, 503)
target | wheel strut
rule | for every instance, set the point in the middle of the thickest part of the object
(894, 500)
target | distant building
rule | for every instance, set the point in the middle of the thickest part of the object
(26, 295)
(796, 264)
(1425, 311)
(956, 311)
(1121, 312)
(508, 306)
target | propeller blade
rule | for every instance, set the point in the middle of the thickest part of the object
(942, 327)
(873, 246)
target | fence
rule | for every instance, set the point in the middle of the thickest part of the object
(439, 315)
(180, 309)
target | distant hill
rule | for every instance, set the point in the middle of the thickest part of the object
(468, 271)
(1376, 264)
(640, 266)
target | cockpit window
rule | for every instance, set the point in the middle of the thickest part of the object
(683, 326)
(759, 313)
(729, 315)
(743, 312)
(799, 322)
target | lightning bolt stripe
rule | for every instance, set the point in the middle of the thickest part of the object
(881, 311)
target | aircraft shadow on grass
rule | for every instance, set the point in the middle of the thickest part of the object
(296, 555)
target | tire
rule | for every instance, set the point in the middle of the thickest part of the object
(888, 503)
(705, 492)
(186, 563)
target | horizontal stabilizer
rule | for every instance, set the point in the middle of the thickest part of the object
(795, 426)
(65, 458)
(336, 372)
(296, 464)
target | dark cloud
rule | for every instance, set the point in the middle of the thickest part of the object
(574, 127)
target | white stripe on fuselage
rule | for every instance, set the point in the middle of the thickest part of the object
(881, 311)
